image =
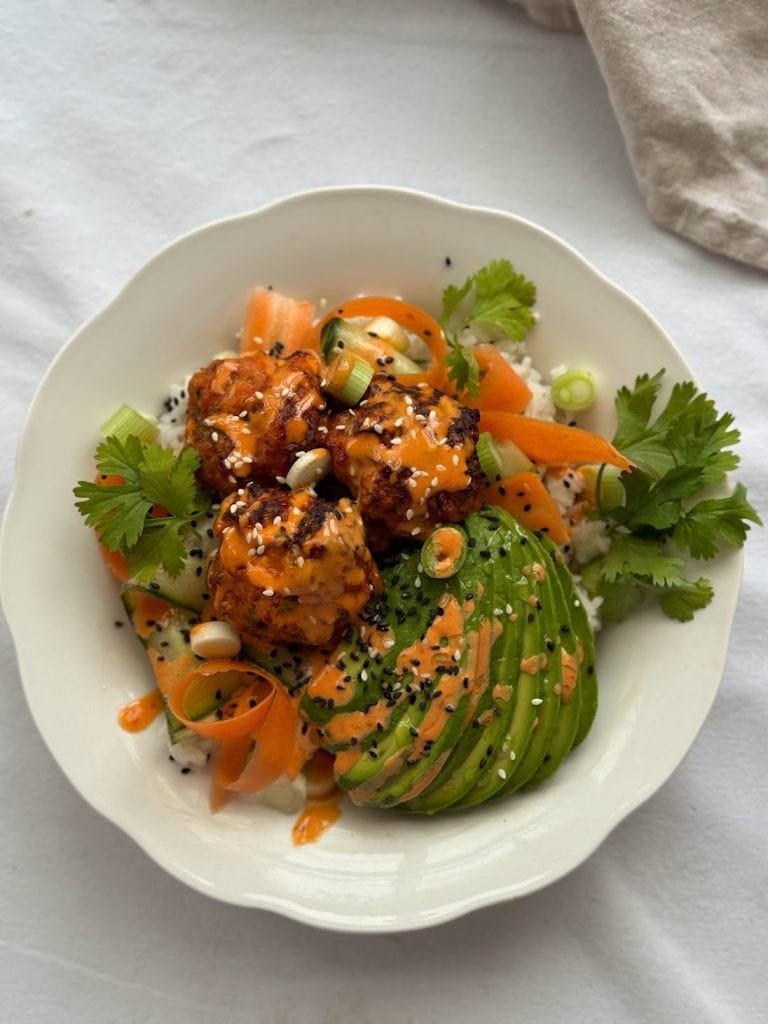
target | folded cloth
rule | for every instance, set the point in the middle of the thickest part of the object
(689, 85)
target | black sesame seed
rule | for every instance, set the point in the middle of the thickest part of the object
(118, 623)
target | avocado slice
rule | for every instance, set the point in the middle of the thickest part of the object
(520, 754)
(580, 704)
(447, 692)
(521, 638)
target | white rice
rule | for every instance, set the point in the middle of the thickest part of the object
(172, 420)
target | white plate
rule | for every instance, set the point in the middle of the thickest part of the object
(374, 871)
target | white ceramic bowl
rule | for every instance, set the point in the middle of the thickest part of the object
(374, 871)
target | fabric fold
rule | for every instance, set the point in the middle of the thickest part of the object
(689, 86)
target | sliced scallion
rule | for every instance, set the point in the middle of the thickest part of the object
(309, 468)
(574, 390)
(488, 454)
(347, 379)
(610, 489)
(443, 552)
(126, 422)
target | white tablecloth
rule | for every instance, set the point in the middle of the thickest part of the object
(124, 124)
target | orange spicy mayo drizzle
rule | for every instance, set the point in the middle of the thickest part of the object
(140, 713)
(314, 820)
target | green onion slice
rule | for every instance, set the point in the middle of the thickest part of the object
(347, 379)
(610, 489)
(126, 422)
(488, 454)
(574, 390)
(443, 552)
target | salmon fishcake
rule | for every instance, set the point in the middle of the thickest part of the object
(408, 455)
(248, 417)
(291, 567)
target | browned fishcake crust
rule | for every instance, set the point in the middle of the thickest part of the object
(291, 567)
(248, 417)
(408, 455)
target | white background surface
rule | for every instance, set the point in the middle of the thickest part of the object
(123, 125)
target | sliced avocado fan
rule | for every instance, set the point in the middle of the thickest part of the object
(451, 692)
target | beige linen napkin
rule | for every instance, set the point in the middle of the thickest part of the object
(688, 80)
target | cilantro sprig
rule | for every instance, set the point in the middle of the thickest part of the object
(502, 301)
(122, 512)
(687, 447)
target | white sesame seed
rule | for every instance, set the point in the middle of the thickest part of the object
(363, 675)
(536, 701)
(300, 561)
(411, 482)
(280, 479)
(417, 581)
(433, 482)
(260, 549)
(512, 755)
(440, 467)
(214, 435)
(498, 611)
(244, 414)
(396, 440)
(508, 609)
(258, 394)
(399, 421)
(415, 531)
(378, 429)
(352, 471)
(502, 774)
(269, 592)
(457, 655)
(455, 460)
(251, 552)
(409, 514)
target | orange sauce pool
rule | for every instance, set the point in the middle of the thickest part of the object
(140, 712)
(315, 819)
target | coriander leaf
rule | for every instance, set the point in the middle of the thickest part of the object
(121, 512)
(634, 408)
(662, 504)
(120, 458)
(702, 438)
(169, 480)
(117, 511)
(716, 519)
(681, 601)
(642, 557)
(452, 299)
(501, 301)
(619, 599)
(159, 545)
(463, 368)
